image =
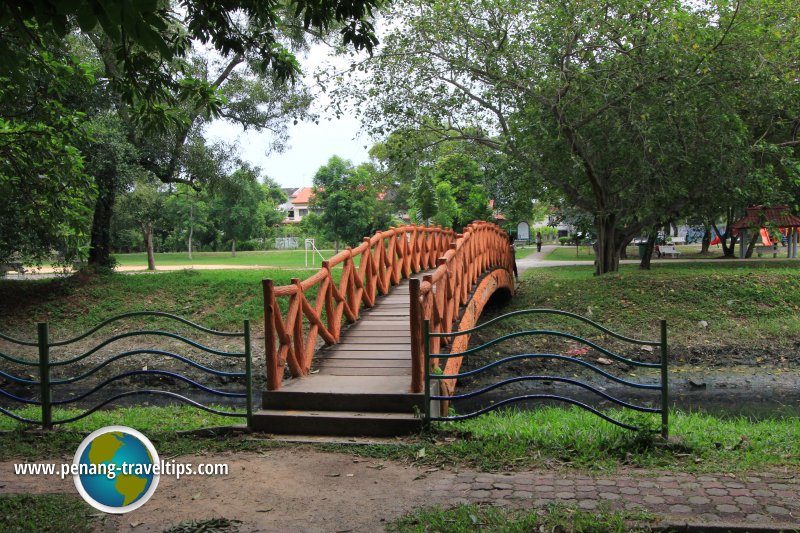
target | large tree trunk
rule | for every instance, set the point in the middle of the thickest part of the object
(606, 247)
(648, 254)
(623, 249)
(727, 249)
(706, 242)
(100, 244)
(147, 232)
(751, 245)
(233, 248)
(191, 231)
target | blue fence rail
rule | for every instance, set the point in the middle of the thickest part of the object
(48, 386)
(432, 375)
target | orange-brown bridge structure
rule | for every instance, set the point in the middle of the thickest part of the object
(349, 338)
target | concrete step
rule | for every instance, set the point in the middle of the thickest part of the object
(349, 423)
(341, 401)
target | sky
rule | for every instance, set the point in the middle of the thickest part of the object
(310, 145)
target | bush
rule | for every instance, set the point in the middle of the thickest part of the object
(249, 246)
(566, 240)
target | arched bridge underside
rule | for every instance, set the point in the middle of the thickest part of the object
(350, 337)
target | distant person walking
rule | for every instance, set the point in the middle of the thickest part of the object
(538, 241)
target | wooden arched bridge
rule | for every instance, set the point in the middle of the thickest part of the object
(365, 377)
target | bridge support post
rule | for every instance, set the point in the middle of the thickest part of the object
(270, 352)
(417, 350)
(664, 382)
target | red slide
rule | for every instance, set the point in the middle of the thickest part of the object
(765, 237)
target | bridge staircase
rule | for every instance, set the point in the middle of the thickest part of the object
(360, 386)
(367, 378)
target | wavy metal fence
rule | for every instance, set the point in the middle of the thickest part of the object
(432, 365)
(48, 386)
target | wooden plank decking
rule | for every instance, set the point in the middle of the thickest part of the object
(359, 386)
(377, 345)
(373, 354)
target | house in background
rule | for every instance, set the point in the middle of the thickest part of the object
(298, 205)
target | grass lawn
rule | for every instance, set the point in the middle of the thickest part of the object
(755, 303)
(553, 517)
(519, 253)
(45, 513)
(219, 299)
(688, 251)
(511, 440)
(160, 424)
(272, 258)
(569, 253)
(554, 437)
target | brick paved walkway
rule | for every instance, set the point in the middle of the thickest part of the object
(764, 499)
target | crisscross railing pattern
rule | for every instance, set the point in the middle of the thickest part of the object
(482, 248)
(370, 269)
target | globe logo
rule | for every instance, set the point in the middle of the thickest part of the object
(116, 469)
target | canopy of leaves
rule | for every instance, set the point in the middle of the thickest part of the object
(145, 34)
(636, 112)
(349, 201)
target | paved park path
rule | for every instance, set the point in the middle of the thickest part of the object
(291, 489)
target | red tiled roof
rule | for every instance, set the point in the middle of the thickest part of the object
(758, 216)
(303, 195)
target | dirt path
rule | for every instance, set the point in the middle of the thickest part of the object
(278, 490)
(289, 490)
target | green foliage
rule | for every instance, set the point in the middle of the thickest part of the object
(45, 192)
(613, 115)
(237, 206)
(140, 41)
(448, 211)
(424, 201)
(348, 200)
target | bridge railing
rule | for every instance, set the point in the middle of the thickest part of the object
(482, 248)
(371, 268)
(433, 358)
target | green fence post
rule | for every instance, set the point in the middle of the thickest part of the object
(248, 354)
(44, 374)
(427, 363)
(664, 382)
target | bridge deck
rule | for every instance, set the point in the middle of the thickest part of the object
(373, 354)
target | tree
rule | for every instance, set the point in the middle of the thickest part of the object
(45, 192)
(348, 201)
(143, 206)
(448, 211)
(153, 81)
(424, 202)
(143, 39)
(236, 206)
(607, 104)
(189, 212)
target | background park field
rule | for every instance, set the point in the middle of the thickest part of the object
(272, 258)
(755, 302)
